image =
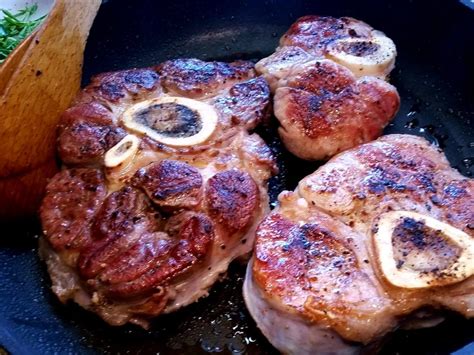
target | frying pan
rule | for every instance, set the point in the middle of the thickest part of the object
(434, 76)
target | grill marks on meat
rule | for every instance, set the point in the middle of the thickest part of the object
(315, 254)
(232, 198)
(156, 231)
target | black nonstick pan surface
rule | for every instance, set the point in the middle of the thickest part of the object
(435, 79)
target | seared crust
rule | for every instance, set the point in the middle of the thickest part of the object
(364, 108)
(90, 127)
(454, 198)
(124, 213)
(320, 78)
(406, 168)
(246, 105)
(120, 214)
(91, 112)
(72, 197)
(195, 78)
(114, 86)
(142, 240)
(85, 143)
(315, 254)
(86, 132)
(278, 65)
(137, 265)
(315, 33)
(192, 244)
(317, 126)
(328, 95)
(232, 198)
(170, 183)
(312, 270)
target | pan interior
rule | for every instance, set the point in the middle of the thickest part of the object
(433, 74)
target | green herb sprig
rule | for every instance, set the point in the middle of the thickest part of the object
(16, 27)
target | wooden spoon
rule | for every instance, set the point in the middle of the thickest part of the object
(33, 96)
(9, 66)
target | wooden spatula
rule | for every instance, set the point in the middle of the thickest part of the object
(38, 82)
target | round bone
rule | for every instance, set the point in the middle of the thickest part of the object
(122, 152)
(415, 276)
(365, 56)
(161, 126)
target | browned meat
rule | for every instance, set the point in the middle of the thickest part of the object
(315, 33)
(246, 104)
(232, 198)
(92, 112)
(195, 78)
(114, 87)
(88, 129)
(76, 195)
(84, 143)
(376, 234)
(122, 218)
(170, 183)
(347, 41)
(328, 97)
(176, 194)
(320, 115)
(320, 78)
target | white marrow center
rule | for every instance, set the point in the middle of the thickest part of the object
(174, 121)
(123, 152)
(418, 251)
(365, 56)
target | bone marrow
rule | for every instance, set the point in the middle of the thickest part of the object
(123, 152)
(175, 121)
(417, 251)
(374, 56)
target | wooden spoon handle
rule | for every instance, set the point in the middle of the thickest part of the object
(43, 85)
